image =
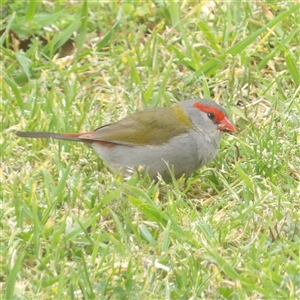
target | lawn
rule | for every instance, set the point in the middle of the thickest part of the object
(70, 229)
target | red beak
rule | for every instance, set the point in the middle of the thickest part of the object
(225, 125)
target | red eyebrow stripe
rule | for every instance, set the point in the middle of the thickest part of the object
(210, 109)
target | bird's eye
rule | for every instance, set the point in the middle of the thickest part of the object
(211, 116)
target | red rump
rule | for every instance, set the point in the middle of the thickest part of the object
(77, 134)
(86, 139)
(106, 144)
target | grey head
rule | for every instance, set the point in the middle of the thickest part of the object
(206, 116)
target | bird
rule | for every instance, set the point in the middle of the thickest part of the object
(164, 142)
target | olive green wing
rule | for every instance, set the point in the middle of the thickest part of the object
(148, 127)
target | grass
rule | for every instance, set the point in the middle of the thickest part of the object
(71, 229)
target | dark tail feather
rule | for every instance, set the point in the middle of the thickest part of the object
(51, 135)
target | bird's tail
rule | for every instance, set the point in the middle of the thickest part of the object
(51, 135)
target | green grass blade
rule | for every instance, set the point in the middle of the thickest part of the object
(240, 46)
(166, 237)
(147, 235)
(31, 9)
(62, 182)
(24, 62)
(224, 265)
(177, 22)
(61, 38)
(15, 89)
(83, 26)
(210, 67)
(8, 27)
(12, 276)
(292, 67)
(108, 36)
(120, 227)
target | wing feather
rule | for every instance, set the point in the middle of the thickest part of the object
(147, 127)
